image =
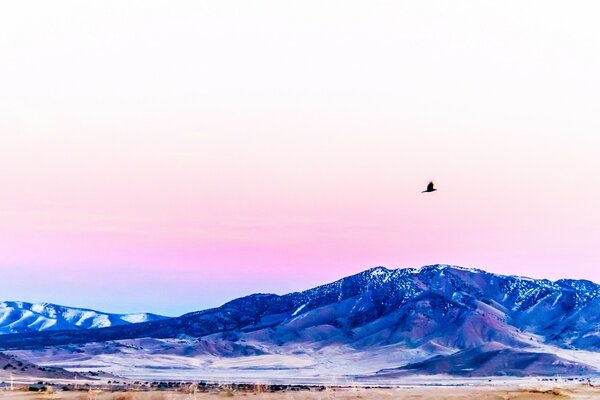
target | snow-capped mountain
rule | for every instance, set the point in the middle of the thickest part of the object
(397, 321)
(22, 317)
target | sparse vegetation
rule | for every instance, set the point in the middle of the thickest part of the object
(259, 392)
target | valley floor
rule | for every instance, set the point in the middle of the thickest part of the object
(412, 393)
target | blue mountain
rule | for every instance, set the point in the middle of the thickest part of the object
(441, 310)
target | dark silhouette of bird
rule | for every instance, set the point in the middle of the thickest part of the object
(429, 188)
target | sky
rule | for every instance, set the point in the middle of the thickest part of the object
(169, 156)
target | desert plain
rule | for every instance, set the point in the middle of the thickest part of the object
(539, 392)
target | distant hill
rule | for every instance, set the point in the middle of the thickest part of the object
(22, 317)
(13, 366)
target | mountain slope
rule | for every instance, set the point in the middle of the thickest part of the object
(13, 366)
(436, 310)
(455, 307)
(22, 317)
(489, 360)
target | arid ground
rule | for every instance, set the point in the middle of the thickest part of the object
(413, 393)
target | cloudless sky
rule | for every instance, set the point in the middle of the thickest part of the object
(168, 156)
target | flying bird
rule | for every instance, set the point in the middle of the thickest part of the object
(429, 188)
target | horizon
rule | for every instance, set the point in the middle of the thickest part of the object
(173, 156)
(470, 269)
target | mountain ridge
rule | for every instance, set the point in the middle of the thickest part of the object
(433, 311)
(378, 277)
(25, 317)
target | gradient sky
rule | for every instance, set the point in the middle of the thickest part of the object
(170, 156)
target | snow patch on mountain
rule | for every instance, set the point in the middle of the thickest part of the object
(403, 321)
(23, 317)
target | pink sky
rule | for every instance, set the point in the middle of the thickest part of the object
(168, 158)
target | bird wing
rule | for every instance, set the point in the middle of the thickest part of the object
(430, 186)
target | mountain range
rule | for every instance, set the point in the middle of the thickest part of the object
(379, 324)
(22, 317)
